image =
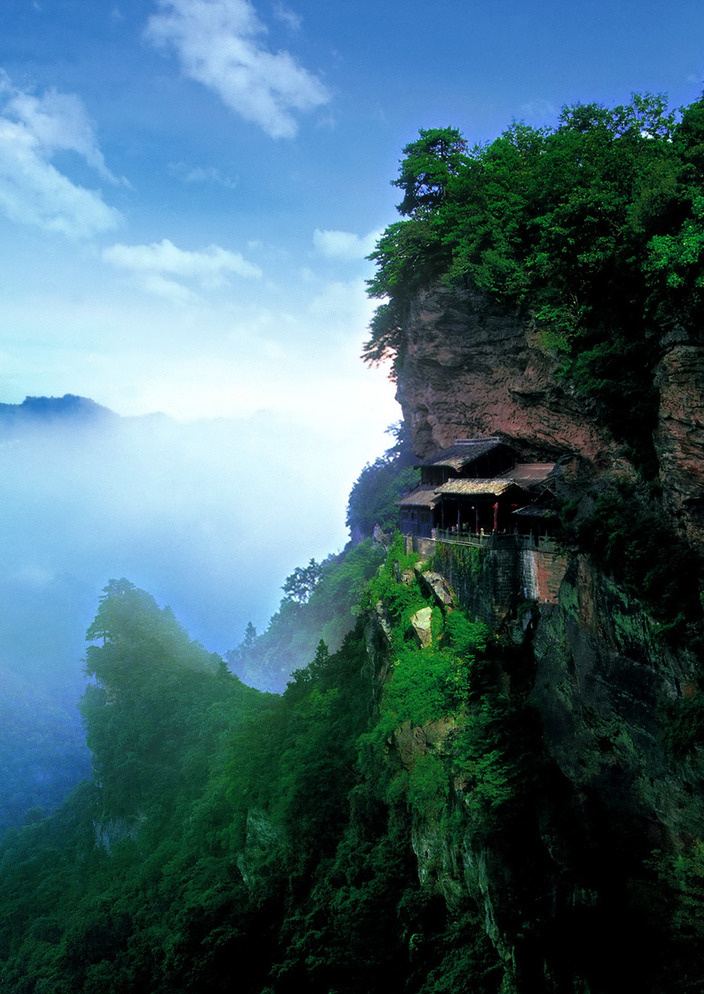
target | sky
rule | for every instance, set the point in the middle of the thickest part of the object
(189, 189)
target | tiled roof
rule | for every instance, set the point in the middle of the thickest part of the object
(475, 488)
(420, 497)
(462, 453)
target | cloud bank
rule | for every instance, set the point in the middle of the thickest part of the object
(219, 44)
(32, 190)
(165, 269)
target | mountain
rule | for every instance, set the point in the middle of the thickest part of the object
(44, 409)
(494, 781)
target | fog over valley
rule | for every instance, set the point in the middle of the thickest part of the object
(209, 517)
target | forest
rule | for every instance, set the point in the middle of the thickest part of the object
(593, 229)
(391, 816)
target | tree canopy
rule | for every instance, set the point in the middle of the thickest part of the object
(593, 229)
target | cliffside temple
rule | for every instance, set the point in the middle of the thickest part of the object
(476, 488)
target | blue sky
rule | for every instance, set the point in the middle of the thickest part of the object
(188, 189)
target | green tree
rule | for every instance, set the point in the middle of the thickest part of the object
(302, 582)
(427, 167)
(152, 688)
(591, 230)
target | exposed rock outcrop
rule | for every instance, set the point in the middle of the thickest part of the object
(679, 437)
(422, 622)
(438, 586)
(471, 367)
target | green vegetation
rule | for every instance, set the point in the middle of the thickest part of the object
(683, 723)
(461, 564)
(327, 609)
(231, 837)
(593, 229)
(393, 821)
(372, 500)
(85, 892)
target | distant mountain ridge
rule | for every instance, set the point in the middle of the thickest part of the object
(51, 408)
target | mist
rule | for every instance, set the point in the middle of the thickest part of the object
(209, 517)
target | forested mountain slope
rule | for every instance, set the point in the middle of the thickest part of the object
(487, 787)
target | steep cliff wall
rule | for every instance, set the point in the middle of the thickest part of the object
(470, 367)
(596, 669)
(551, 825)
(679, 437)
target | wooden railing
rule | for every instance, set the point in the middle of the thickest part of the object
(493, 540)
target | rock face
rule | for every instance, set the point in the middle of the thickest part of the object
(597, 677)
(471, 368)
(421, 622)
(679, 438)
(602, 678)
(598, 674)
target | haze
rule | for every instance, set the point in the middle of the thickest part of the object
(209, 516)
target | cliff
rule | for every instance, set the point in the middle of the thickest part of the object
(602, 680)
(470, 366)
(679, 436)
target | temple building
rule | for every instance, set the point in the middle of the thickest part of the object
(476, 487)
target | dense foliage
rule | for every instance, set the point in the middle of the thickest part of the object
(325, 607)
(231, 838)
(594, 229)
(372, 500)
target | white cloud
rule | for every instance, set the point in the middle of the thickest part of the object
(160, 286)
(219, 43)
(32, 190)
(344, 244)
(287, 16)
(162, 267)
(202, 174)
(58, 121)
